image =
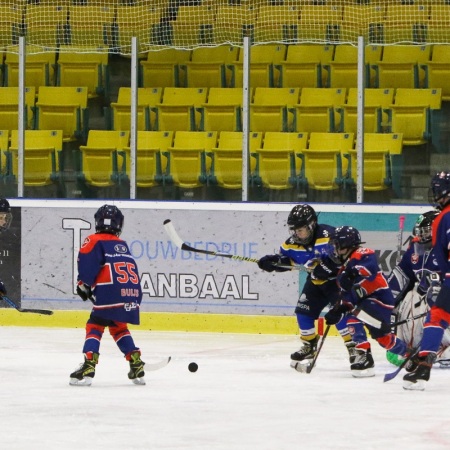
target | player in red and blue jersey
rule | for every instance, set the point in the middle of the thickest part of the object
(438, 318)
(365, 299)
(108, 276)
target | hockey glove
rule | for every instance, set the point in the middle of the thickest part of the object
(325, 270)
(433, 289)
(85, 292)
(2, 289)
(347, 279)
(269, 263)
(336, 313)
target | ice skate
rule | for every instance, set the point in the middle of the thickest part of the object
(83, 376)
(136, 373)
(363, 366)
(302, 359)
(351, 348)
(416, 381)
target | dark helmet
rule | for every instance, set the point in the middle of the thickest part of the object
(109, 219)
(5, 209)
(440, 189)
(422, 227)
(302, 216)
(344, 238)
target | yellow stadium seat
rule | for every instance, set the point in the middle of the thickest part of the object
(10, 23)
(85, 69)
(9, 105)
(4, 145)
(151, 163)
(268, 111)
(39, 69)
(120, 111)
(63, 108)
(223, 110)
(400, 66)
(262, 60)
(277, 23)
(277, 161)
(177, 111)
(406, 23)
(234, 22)
(374, 102)
(207, 67)
(363, 20)
(99, 166)
(187, 167)
(411, 114)
(42, 150)
(303, 65)
(437, 71)
(92, 24)
(316, 110)
(194, 25)
(161, 68)
(226, 159)
(343, 70)
(45, 24)
(438, 29)
(141, 21)
(320, 22)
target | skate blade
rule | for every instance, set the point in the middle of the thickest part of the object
(419, 385)
(366, 373)
(139, 381)
(302, 366)
(84, 382)
(444, 363)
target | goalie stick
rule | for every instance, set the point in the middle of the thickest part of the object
(401, 226)
(47, 312)
(175, 238)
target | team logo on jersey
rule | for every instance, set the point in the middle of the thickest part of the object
(120, 248)
(414, 258)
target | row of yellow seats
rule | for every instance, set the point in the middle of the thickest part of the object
(405, 111)
(300, 65)
(41, 156)
(278, 160)
(62, 108)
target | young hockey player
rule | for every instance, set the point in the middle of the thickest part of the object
(308, 246)
(365, 298)
(411, 279)
(5, 222)
(108, 277)
(438, 318)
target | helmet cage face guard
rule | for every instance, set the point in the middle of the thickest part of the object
(302, 216)
(308, 227)
(343, 238)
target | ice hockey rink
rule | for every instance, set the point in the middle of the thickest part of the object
(244, 396)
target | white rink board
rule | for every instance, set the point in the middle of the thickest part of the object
(175, 281)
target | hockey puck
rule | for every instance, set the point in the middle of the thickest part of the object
(193, 367)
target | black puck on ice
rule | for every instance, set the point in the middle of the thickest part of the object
(193, 367)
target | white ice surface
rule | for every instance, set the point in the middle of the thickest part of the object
(244, 396)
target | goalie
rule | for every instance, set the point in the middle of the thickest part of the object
(414, 282)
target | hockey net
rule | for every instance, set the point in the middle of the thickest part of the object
(88, 26)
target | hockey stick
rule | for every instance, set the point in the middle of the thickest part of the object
(175, 238)
(158, 365)
(401, 226)
(401, 322)
(392, 375)
(26, 310)
(311, 367)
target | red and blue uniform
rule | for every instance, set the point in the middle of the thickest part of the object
(105, 264)
(365, 288)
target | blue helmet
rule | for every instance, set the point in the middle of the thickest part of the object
(109, 219)
(344, 238)
(440, 189)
